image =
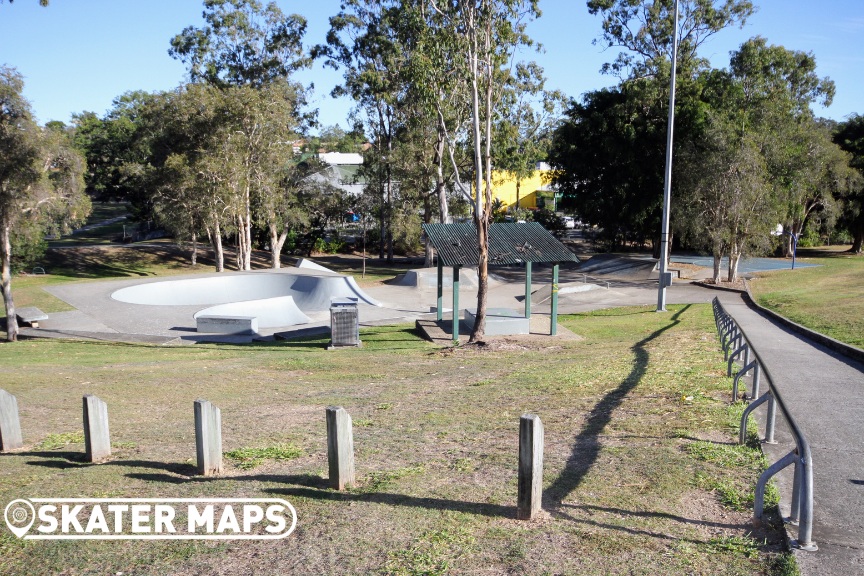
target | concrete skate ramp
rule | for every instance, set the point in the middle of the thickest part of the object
(545, 293)
(428, 278)
(270, 312)
(618, 266)
(311, 292)
(310, 265)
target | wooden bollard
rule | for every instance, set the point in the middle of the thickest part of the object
(340, 448)
(208, 438)
(97, 438)
(530, 467)
(10, 425)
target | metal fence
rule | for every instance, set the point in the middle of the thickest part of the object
(736, 346)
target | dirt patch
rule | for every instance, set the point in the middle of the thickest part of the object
(736, 285)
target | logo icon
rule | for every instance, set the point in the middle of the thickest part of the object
(19, 516)
(151, 518)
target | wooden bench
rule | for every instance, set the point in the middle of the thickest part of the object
(30, 316)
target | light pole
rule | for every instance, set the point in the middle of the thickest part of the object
(665, 277)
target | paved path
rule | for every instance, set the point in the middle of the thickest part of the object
(824, 392)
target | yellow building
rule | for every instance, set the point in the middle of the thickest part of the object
(528, 193)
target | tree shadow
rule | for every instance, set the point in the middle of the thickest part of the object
(564, 511)
(315, 488)
(177, 473)
(586, 448)
(59, 459)
(390, 499)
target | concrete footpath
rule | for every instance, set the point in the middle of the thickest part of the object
(824, 392)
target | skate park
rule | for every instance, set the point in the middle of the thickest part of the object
(295, 301)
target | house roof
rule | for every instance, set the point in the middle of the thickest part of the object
(341, 158)
(509, 243)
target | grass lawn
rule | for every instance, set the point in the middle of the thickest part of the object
(828, 299)
(641, 472)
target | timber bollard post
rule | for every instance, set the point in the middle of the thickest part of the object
(10, 425)
(208, 438)
(340, 448)
(530, 467)
(97, 437)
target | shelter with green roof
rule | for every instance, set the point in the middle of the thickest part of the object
(510, 243)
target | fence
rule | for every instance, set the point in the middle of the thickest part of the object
(735, 344)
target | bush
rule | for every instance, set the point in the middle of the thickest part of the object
(28, 245)
(550, 221)
(333, 246)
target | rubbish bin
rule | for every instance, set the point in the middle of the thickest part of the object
(344, 323)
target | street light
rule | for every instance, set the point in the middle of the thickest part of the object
(778, 231)
(666, 277)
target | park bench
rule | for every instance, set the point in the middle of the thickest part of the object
(30, 316)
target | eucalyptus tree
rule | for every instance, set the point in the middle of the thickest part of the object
(363, 43)
(243, 42)
(484, 36)
(41, 180)
(730, 202)
(179, 174)
(114, 146)
(849, 135)
(643, 29)
(778, 86)
(609, 151)
(249, 52)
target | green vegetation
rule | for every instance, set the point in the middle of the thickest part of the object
(637, 442)
(828, 299)
(248, 458)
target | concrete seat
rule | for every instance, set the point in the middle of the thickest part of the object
(30, 316)
(212, 324)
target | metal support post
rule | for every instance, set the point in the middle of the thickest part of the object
(439, 316)
(456, 304)
(553, 330)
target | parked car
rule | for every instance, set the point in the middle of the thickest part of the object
(568, 222)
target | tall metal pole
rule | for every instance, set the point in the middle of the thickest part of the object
(667, 176)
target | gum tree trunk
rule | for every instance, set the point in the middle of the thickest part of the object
(6, 282)
(277, 240)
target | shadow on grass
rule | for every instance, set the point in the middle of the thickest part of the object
(478, 508)
(563, 512)
(188, 474)
(316, 488)
(587, 508)
(586, 448)
(57, 459)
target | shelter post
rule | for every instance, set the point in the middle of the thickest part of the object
(553, 317)
(527, 289)
(456, 304)
(440, 309)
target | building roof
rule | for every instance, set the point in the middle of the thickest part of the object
(341, 158)
(509, 243)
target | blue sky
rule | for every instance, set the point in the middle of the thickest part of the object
(78, 55)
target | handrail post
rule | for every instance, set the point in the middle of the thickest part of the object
(805, 526)
(759, 493)
(742, 431)
(770, 420)
(757, 376)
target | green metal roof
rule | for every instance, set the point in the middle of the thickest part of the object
(509, 243)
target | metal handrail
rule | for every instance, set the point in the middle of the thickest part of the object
(802, 490)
